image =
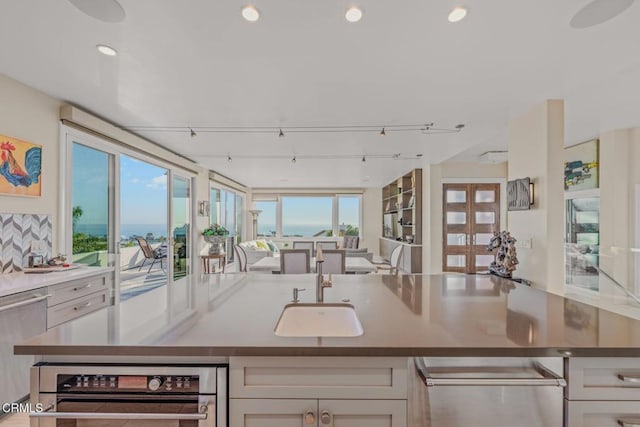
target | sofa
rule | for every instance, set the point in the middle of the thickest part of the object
(361, 252)
(258, 249)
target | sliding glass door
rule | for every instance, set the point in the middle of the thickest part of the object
(143, 226)
(92, 216)
(181, 239)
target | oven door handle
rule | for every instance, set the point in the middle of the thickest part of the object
(202, 415)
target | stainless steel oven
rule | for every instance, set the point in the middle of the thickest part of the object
(113, 395)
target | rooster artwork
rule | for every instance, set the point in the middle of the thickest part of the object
(20, 164)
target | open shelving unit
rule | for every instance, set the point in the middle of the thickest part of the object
(402, 198)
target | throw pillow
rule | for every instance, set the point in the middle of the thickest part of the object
(262, 245)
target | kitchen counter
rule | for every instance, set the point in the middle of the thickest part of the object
(14, 283)
(410, 315)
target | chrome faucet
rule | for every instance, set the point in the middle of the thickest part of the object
(320, 282)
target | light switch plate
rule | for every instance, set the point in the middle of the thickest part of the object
(38, 245)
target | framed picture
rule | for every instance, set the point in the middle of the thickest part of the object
(581, 166)
(20, 167)
(519, 195)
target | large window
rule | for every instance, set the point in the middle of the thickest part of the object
(322, 215)
(307, 216)
(267, 218)
(227, 210)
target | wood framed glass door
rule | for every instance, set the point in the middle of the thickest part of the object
(471, 213)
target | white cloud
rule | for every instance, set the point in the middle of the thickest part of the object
(158, 182)
(135, 181)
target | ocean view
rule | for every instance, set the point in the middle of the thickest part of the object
(126, 230)
(304, 230)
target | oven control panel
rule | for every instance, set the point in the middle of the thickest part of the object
(157, 384)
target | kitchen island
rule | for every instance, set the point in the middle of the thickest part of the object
(233, 319)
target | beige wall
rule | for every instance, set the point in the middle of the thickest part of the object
(619, 182)
(536, 144)
(433, 177)
(32, 116)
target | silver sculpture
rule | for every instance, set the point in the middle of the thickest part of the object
(506, 259)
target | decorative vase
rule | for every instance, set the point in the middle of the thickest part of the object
(217, 244)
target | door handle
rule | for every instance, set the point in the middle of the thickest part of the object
(629, 423)
(629, 378)
(82, 306)
(24, 302)
(325, 417)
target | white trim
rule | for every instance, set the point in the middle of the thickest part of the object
(503, 193)
(580, 194)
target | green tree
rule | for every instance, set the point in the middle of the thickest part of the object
(76, 213)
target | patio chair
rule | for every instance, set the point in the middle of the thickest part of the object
(394, 262)
(150, 253)
(308, 245)
(242, 258)
(334, 261)
(295, 261)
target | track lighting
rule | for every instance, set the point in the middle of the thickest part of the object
(229, 159)
(281, 134)
(364, 159)
(382, 132)
(459, 127)
(293, 160)
(193, 134)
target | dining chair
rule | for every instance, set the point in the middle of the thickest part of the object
(394, 261)
(150, 253)
(295, 261)
(302, 244)
(326, 245)
(334, 261)
(242, 258)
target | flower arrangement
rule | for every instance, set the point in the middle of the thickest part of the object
(215, 230)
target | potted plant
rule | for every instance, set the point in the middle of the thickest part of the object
(215, 235)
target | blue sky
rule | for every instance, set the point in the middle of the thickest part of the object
(309, 211)
(143, 189)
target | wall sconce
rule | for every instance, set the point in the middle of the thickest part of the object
(531, 193)
(203, 208)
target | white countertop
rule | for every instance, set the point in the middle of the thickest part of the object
(14, 283)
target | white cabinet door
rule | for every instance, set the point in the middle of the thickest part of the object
(362, 413)
(273, 413)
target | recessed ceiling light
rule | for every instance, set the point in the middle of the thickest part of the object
(353, 14)
(250, 13)
(457, 14)
(106, 50)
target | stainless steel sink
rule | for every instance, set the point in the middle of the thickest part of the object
(318, 320)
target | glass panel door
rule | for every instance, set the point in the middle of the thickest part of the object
(92, 195)
(181, 240)
(143, 227)
(471, 214)
(583, 242)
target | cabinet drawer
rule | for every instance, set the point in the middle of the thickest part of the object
(78, 307)
(615, 378)
(77, 288)
(603, 414)
(318, 377)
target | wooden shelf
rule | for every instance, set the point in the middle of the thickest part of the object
(404, 189)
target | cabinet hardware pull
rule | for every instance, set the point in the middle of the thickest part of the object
(88, 285)
(629, 423)
(325, 417)
(83, 306)
(629, 378)
(548, 378)
(309, 417)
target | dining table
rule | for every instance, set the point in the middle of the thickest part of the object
(354, 265)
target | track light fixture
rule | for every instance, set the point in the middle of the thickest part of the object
(364, 159)
(293, 160)
(229, 159)
(425, 128)
(331, 157)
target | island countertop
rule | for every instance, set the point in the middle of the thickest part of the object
(404, 315)
(13, 283)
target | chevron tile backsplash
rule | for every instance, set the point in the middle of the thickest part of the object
(17, 231)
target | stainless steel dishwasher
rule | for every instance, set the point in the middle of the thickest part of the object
(493, 392)
(22, 316)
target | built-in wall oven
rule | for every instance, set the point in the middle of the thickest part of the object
(111, 395)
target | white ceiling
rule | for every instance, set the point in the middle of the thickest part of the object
(198, 63)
